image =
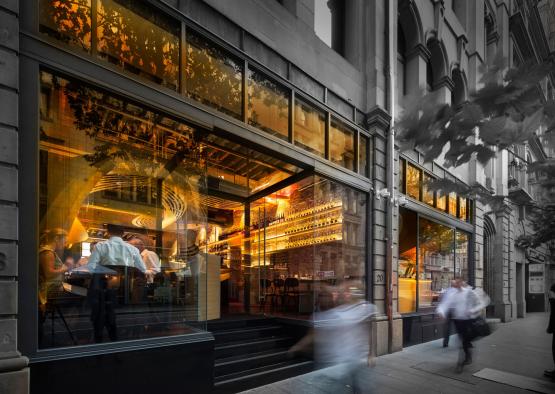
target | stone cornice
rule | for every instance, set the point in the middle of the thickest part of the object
(378, 117)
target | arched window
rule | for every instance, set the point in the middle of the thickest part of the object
(488, 241)
(429, 76)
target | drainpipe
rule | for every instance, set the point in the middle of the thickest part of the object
(390, 62)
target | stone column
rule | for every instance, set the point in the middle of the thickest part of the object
(14, 374)
(378, 121)
(416, 61)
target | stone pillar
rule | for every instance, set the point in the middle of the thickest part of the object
(14, 374)
(503, 266)
(378, 121)
(444, 87)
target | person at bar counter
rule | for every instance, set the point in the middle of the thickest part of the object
(150, 259)
(51, 267)
(102, 294)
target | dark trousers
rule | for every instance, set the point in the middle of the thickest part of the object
(463, 329)
(102, 301)
(447, 328)
(553, 347)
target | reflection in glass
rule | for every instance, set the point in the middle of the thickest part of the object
(441, 200)
(213, 77)
(413, 180)
(310, 128)
(427, 194)
(407, 260)
(67, 21)
(402, 182)
(140, 40)
(363, 162)
(435, 260)
(115, 172)
(452, 201)
(462, 208)
(268, 105)
(342, 145)
(461, 254)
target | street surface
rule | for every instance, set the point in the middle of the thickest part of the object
(517, 352)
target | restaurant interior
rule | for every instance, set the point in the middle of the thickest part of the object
(236, 229)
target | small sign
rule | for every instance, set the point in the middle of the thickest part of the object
(536, 281)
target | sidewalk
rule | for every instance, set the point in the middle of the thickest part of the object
(520, 348)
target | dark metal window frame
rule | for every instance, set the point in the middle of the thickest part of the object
(37, 52)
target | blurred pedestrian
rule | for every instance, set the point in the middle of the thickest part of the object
(551, 328)
(465, 306)
(448, 317)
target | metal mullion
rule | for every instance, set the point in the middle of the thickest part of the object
(357, 156)
(183, 60)
(292, 117)
(417, 303)
(244, 86)
(327, 136)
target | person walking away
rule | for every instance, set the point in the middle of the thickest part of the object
(465, 306)
(448, 312)
(551, 328)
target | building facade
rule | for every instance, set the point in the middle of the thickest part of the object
(244, 150)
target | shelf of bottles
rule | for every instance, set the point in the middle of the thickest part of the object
(288, 230)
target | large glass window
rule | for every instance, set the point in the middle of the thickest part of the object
(342, 145)
(413, 181)
(141, 41)
(213, 77)
(427, 194)
(407, 260)
(120, 218)
(268, 105)
(69, 22)
(310, 128)
(435, 260)
(430, 256)
(363, 159)
(127, 33)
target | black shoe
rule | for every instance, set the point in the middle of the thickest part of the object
(467, 361)
(549, 373)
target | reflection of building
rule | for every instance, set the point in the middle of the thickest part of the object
(241, 142)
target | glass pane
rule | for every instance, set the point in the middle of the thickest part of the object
(363, 164)
(435, 261)
(120, 220)
(462, 208)
(402, 176)
(462, 254)
(310, 128)
(213, 77)
(407, 260)
(427, 194)
(340, 244)
(453, 203)
(413, 176)
(67, 21)
(342, 145)
(139, 39)
(441, 200)
(268, 105)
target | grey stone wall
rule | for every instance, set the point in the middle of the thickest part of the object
(14, 376)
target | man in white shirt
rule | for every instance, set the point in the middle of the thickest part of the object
(150, 259)
(116, 252)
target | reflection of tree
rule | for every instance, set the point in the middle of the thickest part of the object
(147, 45)
(435, 238)
(274, 99)
(213, 77)
(68, 21)
(128, 39)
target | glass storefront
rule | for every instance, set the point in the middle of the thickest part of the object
(149, 227)
(430, 256)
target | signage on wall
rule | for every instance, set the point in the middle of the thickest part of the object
(534, 256)
(536, 281)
